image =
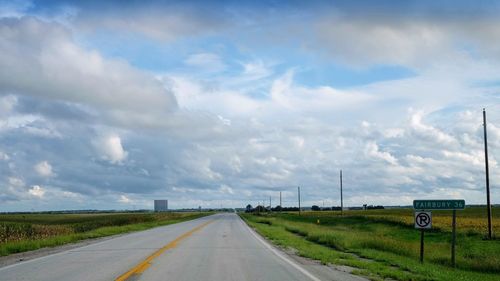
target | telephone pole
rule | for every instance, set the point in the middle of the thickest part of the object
(281, 206)
(341, 198)
(298, 188)
(488, 204)
(270, 206)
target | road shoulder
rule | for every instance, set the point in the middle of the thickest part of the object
(315, 268)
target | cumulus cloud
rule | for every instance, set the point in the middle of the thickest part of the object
(372, 150)
(124, 199)
(4, 156)
(110, 148)
(41, 59)
(44, 169)
(429, 132)
(226, 189)
(246, 126)
(37, 191)
(16, 182)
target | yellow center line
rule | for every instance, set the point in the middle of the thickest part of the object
(145, 264)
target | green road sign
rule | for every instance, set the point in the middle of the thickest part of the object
(439, 204)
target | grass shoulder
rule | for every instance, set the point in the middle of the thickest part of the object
(21, 233)
(379, 249)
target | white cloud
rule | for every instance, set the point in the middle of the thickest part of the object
(7, 103)
(317, 99)
(37, 191)
(365, 42)
(372, 150)
(41, 59)
(44, 169)
(226, 189)
(124, 199)
(429, 132)
(206, 62)
(16, 182)
(254, 70)
(159, 21)
(110, 148)
(245, 128)
(4, 156)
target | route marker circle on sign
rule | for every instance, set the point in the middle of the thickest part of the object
(423, 220)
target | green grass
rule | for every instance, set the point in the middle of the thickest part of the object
(388, 243)
(26, 232)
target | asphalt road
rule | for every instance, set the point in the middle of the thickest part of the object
(219, 247)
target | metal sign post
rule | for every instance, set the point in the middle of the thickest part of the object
(453, 237)
(421, 218)
(422, 231)
(423, 221)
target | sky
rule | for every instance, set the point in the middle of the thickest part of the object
(112, 104)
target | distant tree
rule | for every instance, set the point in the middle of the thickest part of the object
(378, 207)
(277, 209)
(248, 209)
(315, 208)
(259, 209)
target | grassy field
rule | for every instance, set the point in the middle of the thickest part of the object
(25, 232)
(384, 244)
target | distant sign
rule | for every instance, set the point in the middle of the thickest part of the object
(439, 204)
(423, 220)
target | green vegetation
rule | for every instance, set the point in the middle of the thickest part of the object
(384, 244)
(26, 232)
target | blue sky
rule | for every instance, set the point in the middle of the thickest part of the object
(111, 105)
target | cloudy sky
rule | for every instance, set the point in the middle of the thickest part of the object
(111, 105)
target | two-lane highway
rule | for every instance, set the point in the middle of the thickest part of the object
(217, 247)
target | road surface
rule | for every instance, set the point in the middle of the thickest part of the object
(218, 247)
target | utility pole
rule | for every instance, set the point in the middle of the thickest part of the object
(281, 206)
(298, 188)
(270, 206)
(341, 198)
(488, 204)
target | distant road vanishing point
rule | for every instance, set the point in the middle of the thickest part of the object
(218, 247)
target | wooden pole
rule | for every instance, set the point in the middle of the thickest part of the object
(341, 196)
(281, 206)
(488, 203)
(298, 188)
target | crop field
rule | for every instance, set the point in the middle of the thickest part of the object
(25, 232)
(384, 244)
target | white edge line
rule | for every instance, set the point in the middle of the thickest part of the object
(89, 245)
(280, 255)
